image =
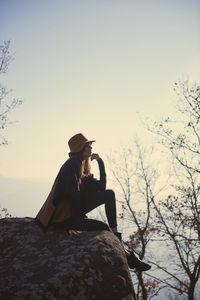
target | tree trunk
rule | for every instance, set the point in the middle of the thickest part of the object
(141, 282)
(191, 291)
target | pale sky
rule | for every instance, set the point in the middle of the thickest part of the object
(91, 67)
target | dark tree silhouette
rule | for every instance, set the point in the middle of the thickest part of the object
(136, 179)
(7, 101)
(178, 215)
(165, 226)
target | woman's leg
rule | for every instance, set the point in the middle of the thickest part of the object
(106, 197)
(81, 222)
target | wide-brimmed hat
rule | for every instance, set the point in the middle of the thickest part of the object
(77, 142)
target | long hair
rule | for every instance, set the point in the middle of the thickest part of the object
(83, 166)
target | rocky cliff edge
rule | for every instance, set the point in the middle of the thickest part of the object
(60, 265)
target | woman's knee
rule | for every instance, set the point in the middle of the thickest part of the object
(110, 194)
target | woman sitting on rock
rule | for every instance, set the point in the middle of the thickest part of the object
(75, 193)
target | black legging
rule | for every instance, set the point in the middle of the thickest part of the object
(80, 221)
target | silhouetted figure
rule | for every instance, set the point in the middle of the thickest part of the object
(76, 192)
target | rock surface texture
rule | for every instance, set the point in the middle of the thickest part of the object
(58, 265)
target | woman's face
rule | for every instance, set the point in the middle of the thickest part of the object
(87, 151)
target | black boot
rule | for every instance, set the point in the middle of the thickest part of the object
(133, 261)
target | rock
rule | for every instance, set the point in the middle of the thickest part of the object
(58, 265)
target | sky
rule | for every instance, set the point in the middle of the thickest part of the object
(93, 67)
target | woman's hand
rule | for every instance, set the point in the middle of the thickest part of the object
(95, 156)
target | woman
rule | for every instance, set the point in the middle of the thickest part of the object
(75, 193)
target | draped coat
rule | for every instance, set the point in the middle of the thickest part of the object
(65, 199)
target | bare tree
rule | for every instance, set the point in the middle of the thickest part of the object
(7, 101)
(4, 213)
(136, 179)
(181, 136)
(178, 215)
(172, 221)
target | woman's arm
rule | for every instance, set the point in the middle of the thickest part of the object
(102, 181)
